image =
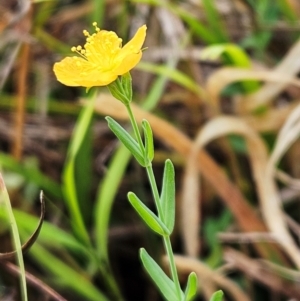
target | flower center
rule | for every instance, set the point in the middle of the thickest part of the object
(101, 49)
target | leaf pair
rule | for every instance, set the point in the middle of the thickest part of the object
(164, 283)
(143, 154)
(164, 223)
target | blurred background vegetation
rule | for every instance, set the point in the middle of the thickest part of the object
(219, 84)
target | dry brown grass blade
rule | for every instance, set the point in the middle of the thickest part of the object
(225, 76)
(7, 17)
(190, 207)
(288, 68)
(286, 137)
(266, 188)
(262, 273)
(186, 265)
(232, 197)
(270, 121)
(17, 145)
(190, 216)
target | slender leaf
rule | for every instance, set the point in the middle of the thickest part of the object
(50, 235)
(191, 287)
(215, 23)
(5, 202)
(233, 55)
(147, 215)
(149, 145)
(173, 74)
(167, 198)
(83, 166)
(107, 191)
(65, 276)
(69, 180)
(126, 139)
(163, 282)
(217, 296)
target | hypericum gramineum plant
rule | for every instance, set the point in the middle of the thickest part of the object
(102, 61)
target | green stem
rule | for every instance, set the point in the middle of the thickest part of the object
(167, 241)
(151, 177)
(155, 192)
(135, 128)
(174, 273)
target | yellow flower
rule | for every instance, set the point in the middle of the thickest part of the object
(101, 60)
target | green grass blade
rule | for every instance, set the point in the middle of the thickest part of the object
(50, 235)
(65, 276)
(215, 21)
(69, 180)
(31, 174)
(175, 75)
(83, 166)
(202, 31)
(232, 55)
(98, 12)
(5, 202)
(106, 193)
(288, 12)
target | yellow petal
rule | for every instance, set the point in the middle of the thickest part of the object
(128, 63)
(69, 69)
(136, 43)
(96, 78)
(76, 71)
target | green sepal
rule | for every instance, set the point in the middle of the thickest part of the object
(167, 198)
(126, 139)
(126, 82)
(149, 146)
(147, 215)
(162, 281)
(217, 296)
(191, 287)
(121, 88)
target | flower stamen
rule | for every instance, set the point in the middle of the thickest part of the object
(80, 51)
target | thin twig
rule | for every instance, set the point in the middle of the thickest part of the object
(37, 283)
(262, 273)
(246, 238)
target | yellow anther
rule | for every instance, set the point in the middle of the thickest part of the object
(73, 49)
(78, 47)
(94, 23)
(86, 33)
